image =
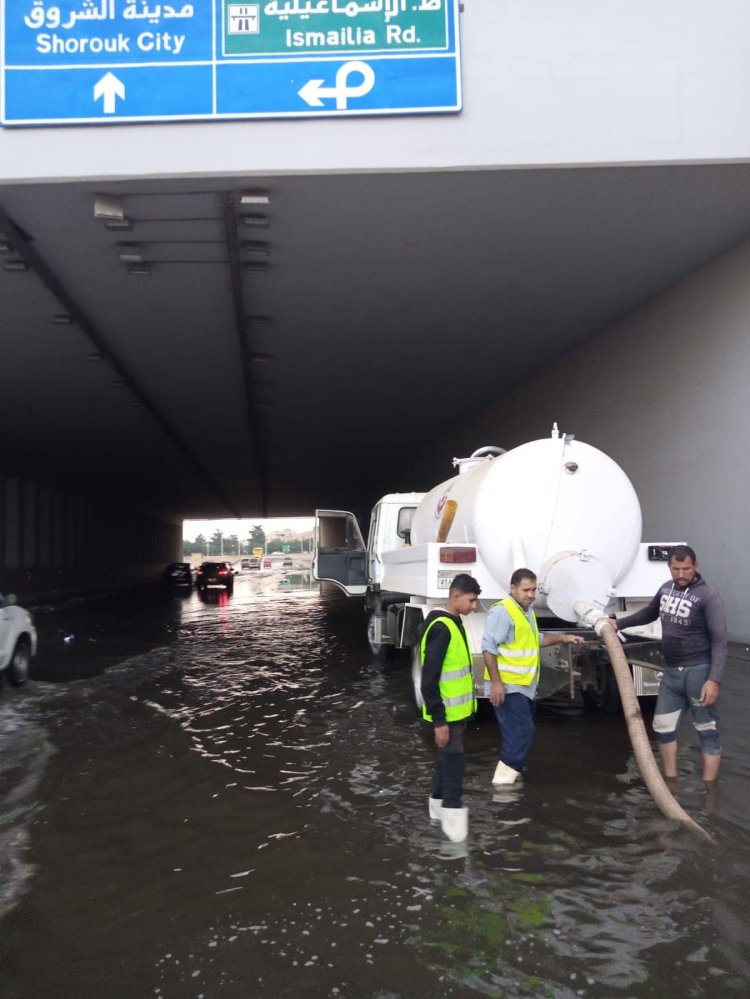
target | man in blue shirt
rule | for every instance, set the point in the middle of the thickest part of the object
(510, 647)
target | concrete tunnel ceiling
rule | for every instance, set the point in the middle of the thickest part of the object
(264, 371)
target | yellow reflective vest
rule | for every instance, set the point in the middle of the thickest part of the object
(518, 662)
(456, 684)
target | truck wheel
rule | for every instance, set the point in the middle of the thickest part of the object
(416, 681)
(606, 698)
(18, 667)
(379, 651)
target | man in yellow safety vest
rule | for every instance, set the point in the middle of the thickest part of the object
(447, 685)
(510, 647)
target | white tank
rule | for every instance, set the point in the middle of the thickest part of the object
(558, 507)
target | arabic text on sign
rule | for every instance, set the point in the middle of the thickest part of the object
(42, 16)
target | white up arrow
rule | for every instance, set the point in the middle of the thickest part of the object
(109, 87)
(313, 90)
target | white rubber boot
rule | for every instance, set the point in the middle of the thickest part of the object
(505, 774)
(455, 823)
(436, 809)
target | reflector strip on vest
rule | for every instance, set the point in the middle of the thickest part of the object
(455, 674)
(462, 699)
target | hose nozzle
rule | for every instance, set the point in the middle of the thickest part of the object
(591, 615)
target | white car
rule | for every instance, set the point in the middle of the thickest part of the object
(17, 640)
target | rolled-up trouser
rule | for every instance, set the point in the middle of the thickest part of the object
(680, 692)
(448, 782)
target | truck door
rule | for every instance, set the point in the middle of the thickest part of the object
(339, 554)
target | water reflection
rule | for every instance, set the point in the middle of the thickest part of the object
(217, 596)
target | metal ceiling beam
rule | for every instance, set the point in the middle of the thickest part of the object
(231, 222)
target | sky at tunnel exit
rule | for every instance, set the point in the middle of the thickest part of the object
(242, 528)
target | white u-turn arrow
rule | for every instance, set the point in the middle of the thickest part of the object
(109, 87)
(313, 91)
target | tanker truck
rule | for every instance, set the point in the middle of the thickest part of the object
(557, 506)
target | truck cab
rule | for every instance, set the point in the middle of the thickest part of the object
(341, 555)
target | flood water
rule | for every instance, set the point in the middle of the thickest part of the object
(222, 797)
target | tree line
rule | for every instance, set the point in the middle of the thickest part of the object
(223, 544)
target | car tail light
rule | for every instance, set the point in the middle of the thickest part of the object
(458, 555)
(223, 572)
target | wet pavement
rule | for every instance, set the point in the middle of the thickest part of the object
(222, 797)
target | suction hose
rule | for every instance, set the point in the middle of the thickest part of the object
(647, 765)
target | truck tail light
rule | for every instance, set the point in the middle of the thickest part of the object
(454, 555)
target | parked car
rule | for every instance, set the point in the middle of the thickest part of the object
(215, 574)
(177, 574)
(17, 640)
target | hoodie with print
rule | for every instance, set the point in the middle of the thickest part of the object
(693, 624)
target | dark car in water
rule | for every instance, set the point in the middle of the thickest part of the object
(177, 574)
(215, 574)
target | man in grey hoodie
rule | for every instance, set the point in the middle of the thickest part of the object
(694, 643)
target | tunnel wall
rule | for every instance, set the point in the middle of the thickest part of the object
(675, 421)
(546, 83)
(53, 541)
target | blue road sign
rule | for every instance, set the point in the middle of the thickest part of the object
(105, 61)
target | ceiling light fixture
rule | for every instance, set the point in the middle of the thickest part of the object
(6, 247)
(261, 358)
(62, 320)
(94, 356)
(255, 198)
(15, 265)
(256, 249)
(256, 267)
(255, 221)
(110, 211)
(130, 253)
(258, 321)
(141, 268)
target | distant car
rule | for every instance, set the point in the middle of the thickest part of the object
(267, 563)
(215, 574)
(177, 574)
(254, 563)
(17, 640)
(287, 563)
(245, 563)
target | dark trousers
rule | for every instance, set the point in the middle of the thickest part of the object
(448, 782)
(515, 716)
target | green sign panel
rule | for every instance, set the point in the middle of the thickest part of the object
(286, 27)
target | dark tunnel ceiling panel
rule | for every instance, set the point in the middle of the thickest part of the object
(393, 305)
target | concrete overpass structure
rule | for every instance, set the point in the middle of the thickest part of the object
(571, 246)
